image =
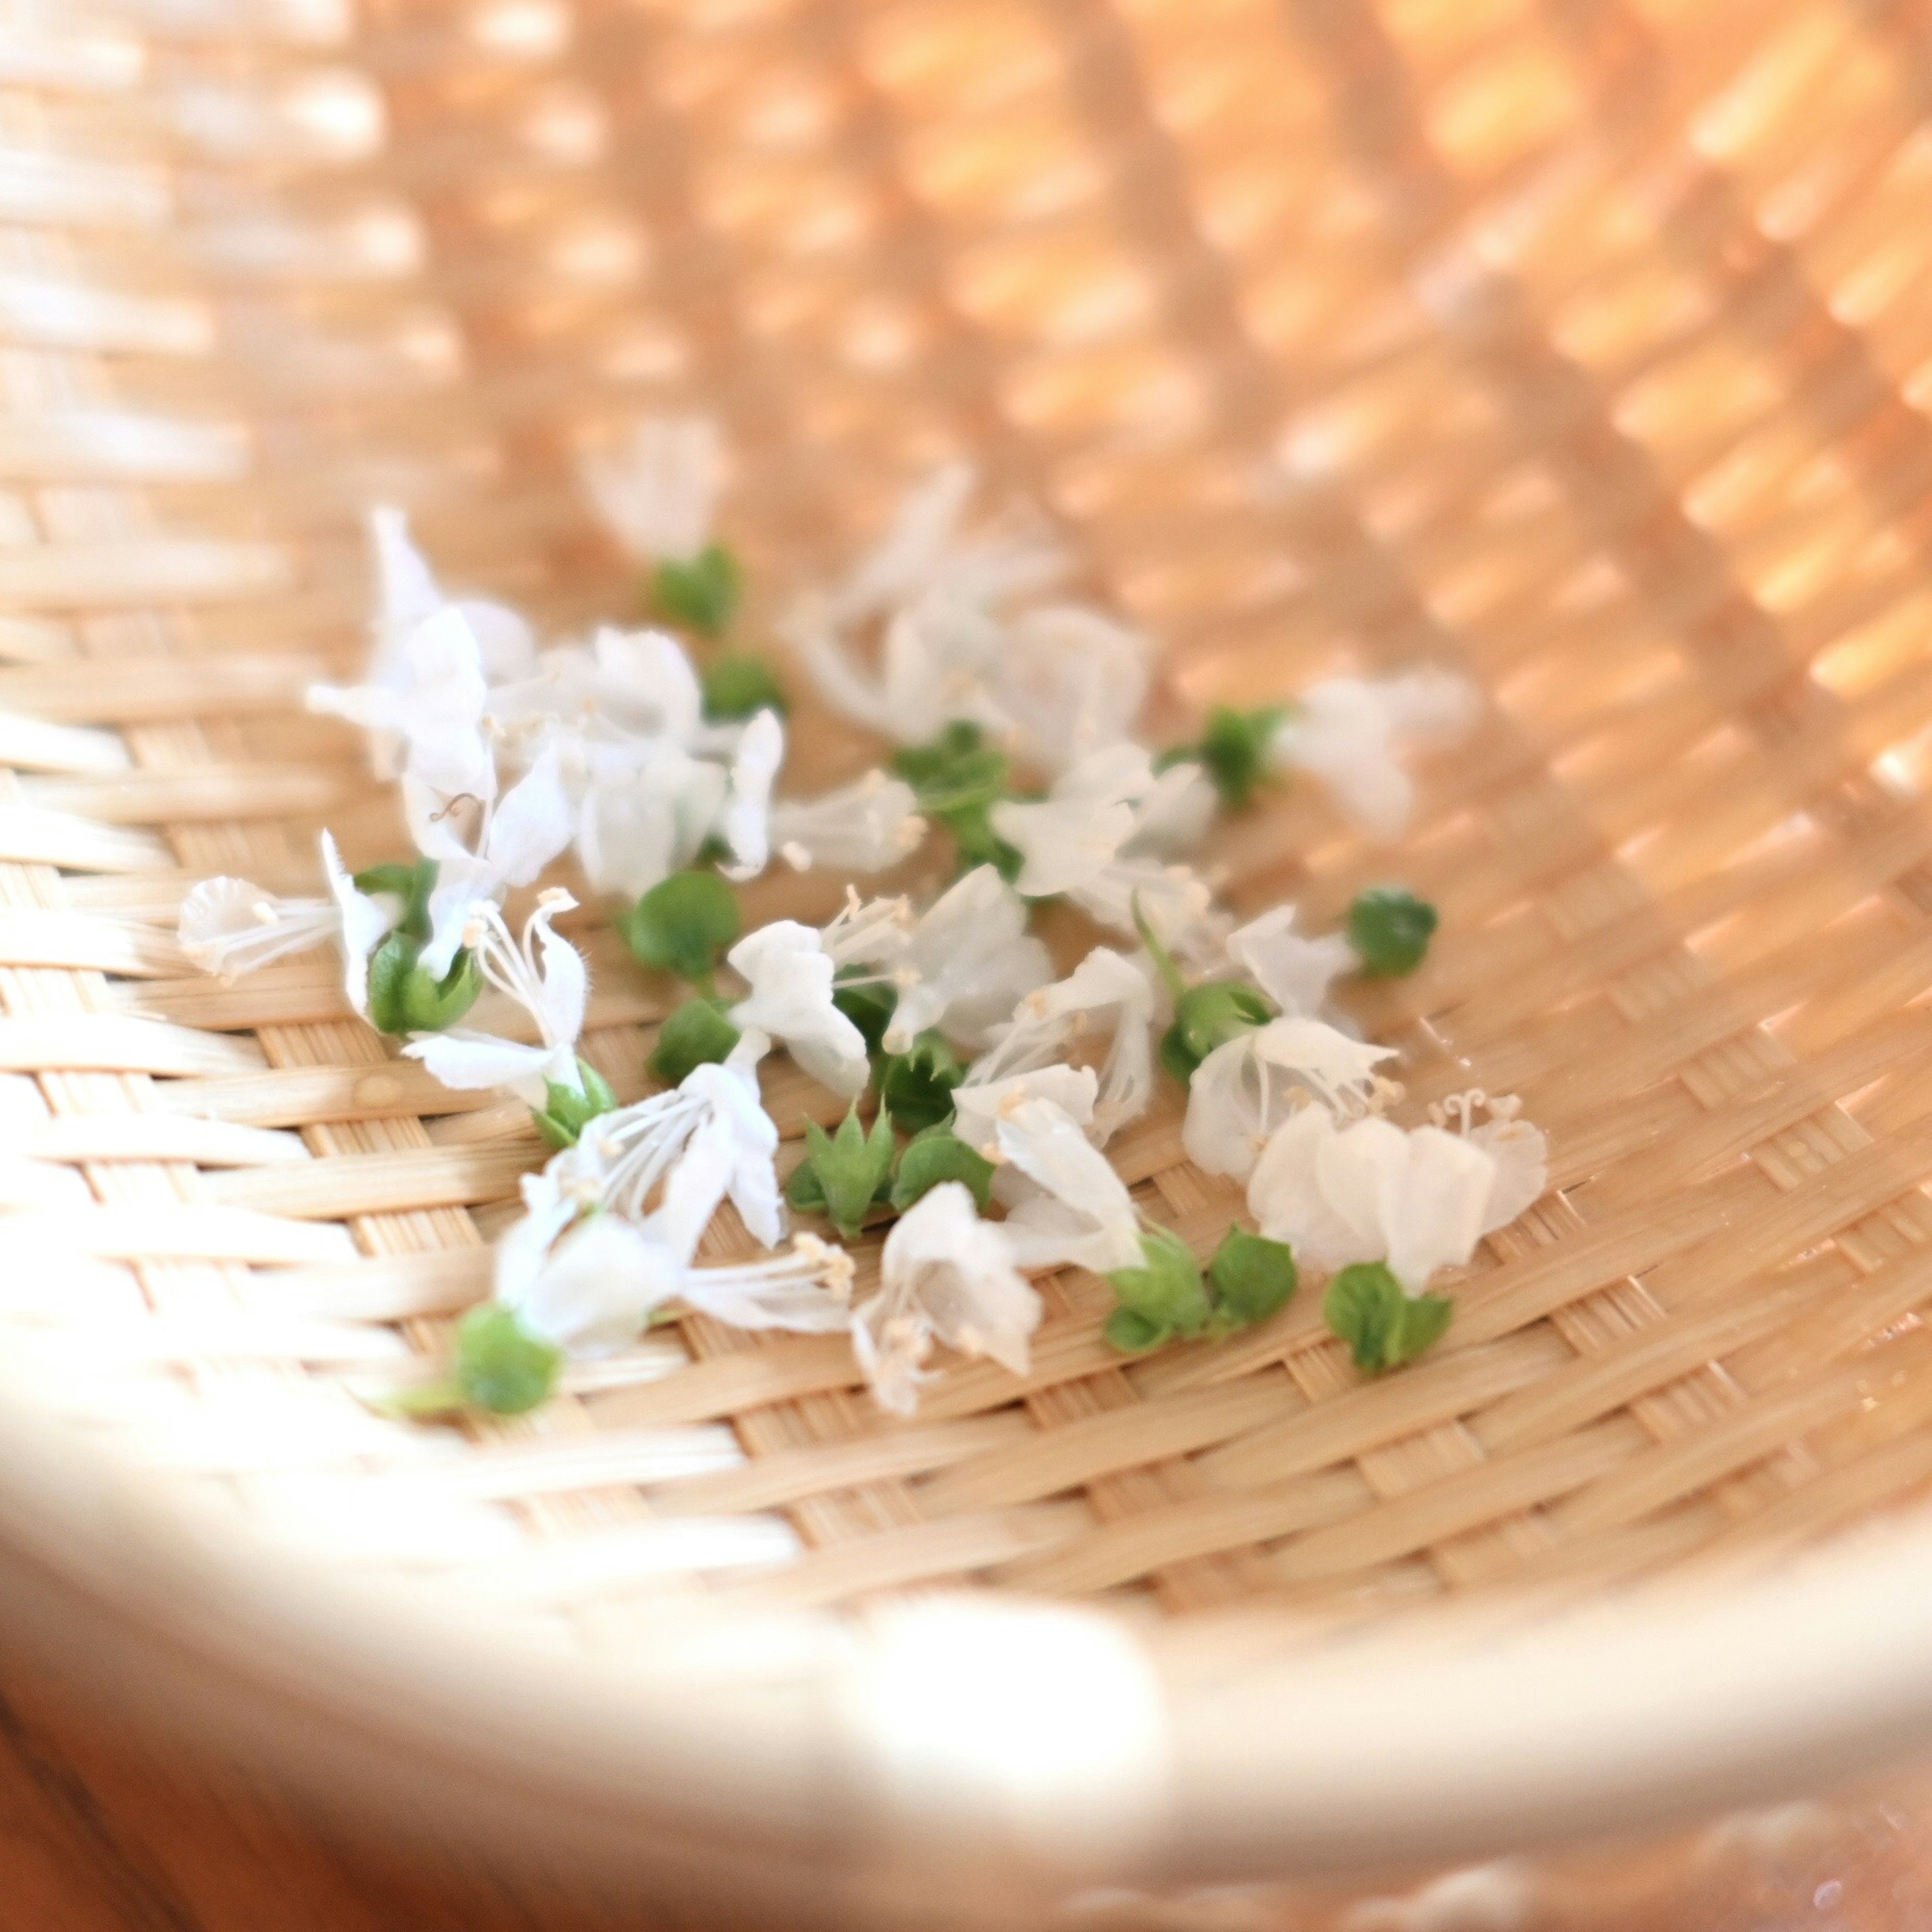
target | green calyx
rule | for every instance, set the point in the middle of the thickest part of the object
(404, 998)
(684, 925)
(1169, 1298)
(958, 779)
(918, 1085)
(696, 1033)
(1390, 928)
(1233, 750)
(500, 1366)
(739, 684)
(936, 1155)
(870, 1009)
(701, 593)
(412, 884)
(1383, 1327)
(846, 1174)
(567, 1110)
(1204, 1017)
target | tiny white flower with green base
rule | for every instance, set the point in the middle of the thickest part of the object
(230, 926)
(1100, 835)
(544, 974)
(945, 1275)
(657, 489)
(963, 962)
(599, 1286)
(1243, 1090)
(868, 825)
(1107, 991)
(521, 833)
(1351, 733)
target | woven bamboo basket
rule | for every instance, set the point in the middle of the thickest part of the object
(1583, 347)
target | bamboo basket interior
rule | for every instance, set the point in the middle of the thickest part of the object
(1584, 348)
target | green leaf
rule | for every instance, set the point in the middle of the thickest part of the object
(869, 1008)
(402, 997)
(696, 1033)
(1166, 1291)
(684, 925)
(936, 1155)
(1390, 928)
(740, 685)
(1251, 1276)
(412, 884)
(853, 1168)
(499, 1365)
(1383, 1327)
(567, 1112)
(917, 1084)
(1206, 1017)
(1134, 1334)
(701, 592)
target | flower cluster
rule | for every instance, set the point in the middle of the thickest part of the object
(982, 1083)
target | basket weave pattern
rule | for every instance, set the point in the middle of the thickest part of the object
(1579, 346)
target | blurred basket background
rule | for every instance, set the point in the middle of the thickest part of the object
(1583, 344)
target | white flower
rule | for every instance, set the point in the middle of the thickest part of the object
(598, 1287)
(965, 962)
(1106, 990)
(1349, 732)
(1369, 1191)
(229, 927)
(791, 976)
(866, 827)
(1294, 972)
(622, 685)
(1241, 1092)
(544, 974)
(704, 1140)
(638, 819)
(1064, 1201)
(1069, 682)
(521, 833)
(431, 699)
(978, 1102)
(745, 823)
(1098, 835)
(657, 489)
(1520, 1151)
(944, 1274)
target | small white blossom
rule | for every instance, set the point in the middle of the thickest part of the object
(429, 698)
(705, 1140)
(1350, 733)
(1106, 990)
(1070, 682)
(1242, 1089)
(866, 827)
(598, 1287)
(1520, 1151)
(1099, 836)
(544, 973)
(521, 833)
(230, 927)
(945, 1274)
(744, 822)
(1295, 972)
(623, 686)
(965, 962)
(657, 489)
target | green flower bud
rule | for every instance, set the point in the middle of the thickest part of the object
(696, 1033)
(739, 685)
(1253, 1278)
(404, 998)
(917, 1084)
(1383, 1327)
(936, 1155)
(701, 593)
(566, 1112)
(1133, 1334)
(684, 925)
(869, 1008)
(1233, 751)
(851, 1171)
(1206, 1017)
(1166, 1293)
(1390, 928)
(412, 884)
(499, 1365)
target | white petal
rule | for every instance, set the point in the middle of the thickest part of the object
(978, 1104)
(803, 1307)
(746, 821)
(531, 824)
(958, 1270)
(1522, 1156)
(1065, 843)
(1340, 1071)
(656, 490)
(566, 988)
(1294, 972)
(366, 923)
(1224, 1112)
(468, 1061)
(1286, 1198)
(1046, 1144)
(598, 1287)
(1073, 680)
(1432, 1209)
